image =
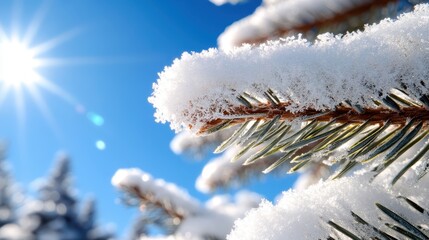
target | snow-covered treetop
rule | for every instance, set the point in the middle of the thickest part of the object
(356, 66)
(55, 212)
(9, 192)
(156, 191)
(58, 186)
(279, 17)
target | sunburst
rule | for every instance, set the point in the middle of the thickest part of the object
(19, 65)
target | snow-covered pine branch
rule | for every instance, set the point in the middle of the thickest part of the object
(277, 18)
(197, 220)
(355, 67)
(364, 90)
(157, 193)
(305, 214)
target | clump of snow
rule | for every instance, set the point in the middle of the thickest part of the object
(355, 66)
(311, 175)
(198, 147)
(304, 214)
(221, 172)
(14, 232)
(157, 188)
(221, 213)
(285, 15)
(222, 2)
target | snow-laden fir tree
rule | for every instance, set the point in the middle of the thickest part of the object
(54, 213)
(7, 192)
(353, 104)
(11, 198)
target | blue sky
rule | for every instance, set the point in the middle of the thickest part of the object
(108, 65)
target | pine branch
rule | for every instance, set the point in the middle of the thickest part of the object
(392, 126)
(148, 202)
(164, 203)
(352, 99)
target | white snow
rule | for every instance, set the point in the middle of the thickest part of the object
(160, 190)
(222, 2)
(222, 172)
(274, 15)
(311, 175)
(321, 75)
(219, 171)
(14, 232)
(304, 214)
(198, 146)
(221, 213)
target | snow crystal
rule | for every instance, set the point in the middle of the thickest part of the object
(200, 87)
(158, 188)
(304, 214)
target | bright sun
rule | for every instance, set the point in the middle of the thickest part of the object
(17, 64)
(20, 62)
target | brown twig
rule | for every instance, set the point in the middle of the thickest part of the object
(341, 114)
(146, 198)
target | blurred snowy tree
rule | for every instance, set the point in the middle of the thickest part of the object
(7, 207)
(54, 215)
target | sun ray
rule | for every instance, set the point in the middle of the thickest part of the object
(52, 43)
(50, 61)
(20, 106)
(55, 89)
(16, 15)
(35, 23)
(43, 107)
(2, 32)
(4, 91)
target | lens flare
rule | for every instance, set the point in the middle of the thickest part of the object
(100, 145)
(96, 119)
